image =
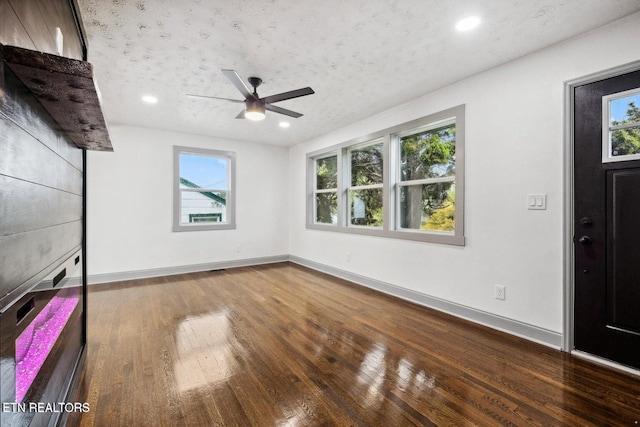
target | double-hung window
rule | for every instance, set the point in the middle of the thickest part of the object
(404, 182)
(203, 189)
(364, 194)
(427, 177)
(325, 194)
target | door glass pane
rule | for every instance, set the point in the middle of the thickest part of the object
(428, 206)
(625, 142)
(366, 207)
(621, 132)
(428, 154)
(197, 171)
(327, 208)
(197, 207)
(624, 110)
(366, 165)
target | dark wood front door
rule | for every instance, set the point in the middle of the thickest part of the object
(607, 218)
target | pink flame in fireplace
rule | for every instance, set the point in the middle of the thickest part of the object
(36, 341)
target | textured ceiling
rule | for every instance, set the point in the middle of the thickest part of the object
(360, 56)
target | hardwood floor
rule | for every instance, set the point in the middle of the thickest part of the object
(282, 345)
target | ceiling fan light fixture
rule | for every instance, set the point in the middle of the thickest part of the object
(254, 114)
(254, 110)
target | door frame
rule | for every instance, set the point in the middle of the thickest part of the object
(568, 250)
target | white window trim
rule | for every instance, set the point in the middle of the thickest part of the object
(231, 191)
(391, 182)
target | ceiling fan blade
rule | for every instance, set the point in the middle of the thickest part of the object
(239, 83)
(241, 115)
(282, 111)
(288, 95)
(189, 95)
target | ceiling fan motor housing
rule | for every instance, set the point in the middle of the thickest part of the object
(254, 104)
(255, 82)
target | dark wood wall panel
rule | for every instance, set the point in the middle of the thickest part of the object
(13, 32)
(39, 19)
(26, 206)
(24, 157)
(29, 14)
(21, 107)
(58, 13)
(41, 186)
(41, 201)
(25, 255)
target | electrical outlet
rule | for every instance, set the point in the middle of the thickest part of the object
(500, 292)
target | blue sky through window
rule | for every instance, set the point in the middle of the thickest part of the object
(205, 171)
(619, 107)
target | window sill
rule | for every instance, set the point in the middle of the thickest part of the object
(179, 228)
(419, 236)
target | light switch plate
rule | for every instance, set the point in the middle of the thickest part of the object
(536, 201)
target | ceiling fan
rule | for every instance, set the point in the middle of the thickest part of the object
(254, 105)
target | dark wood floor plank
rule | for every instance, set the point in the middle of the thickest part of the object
(284, 345)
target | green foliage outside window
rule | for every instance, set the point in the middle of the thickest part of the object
(327, 173)
(627, 141)
(443, 219)
(327, 178)
(367, 169)
(429, 154)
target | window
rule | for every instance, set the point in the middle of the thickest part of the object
(326, 190)
(427, 175)
(203, 189)
(621, 126)
(365, 190)
(404, 182)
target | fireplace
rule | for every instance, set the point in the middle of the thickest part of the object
(41, 346)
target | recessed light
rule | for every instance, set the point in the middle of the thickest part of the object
(284, 124)
(468, 23)
(149, 99)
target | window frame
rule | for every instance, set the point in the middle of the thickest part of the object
(316, 191)
(230, 156)
(607, 129)
(391, 181)
(350, 188)
(399, 183)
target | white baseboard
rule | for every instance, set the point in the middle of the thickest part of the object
(514, 327)
(193, 268)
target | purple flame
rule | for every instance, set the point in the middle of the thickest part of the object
(36, 341)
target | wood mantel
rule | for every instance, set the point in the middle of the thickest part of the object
(67, 90)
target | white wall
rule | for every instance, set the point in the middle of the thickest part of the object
(514, 147)
(130, 196)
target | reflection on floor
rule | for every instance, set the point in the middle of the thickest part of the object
(282, 345)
